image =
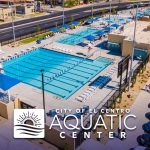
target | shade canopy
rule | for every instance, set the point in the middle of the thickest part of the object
(7, 82)
(82, 44)
(100, 33)
(90, 37)
(66, 26)
(108, 29)
(75, 23)
(91, 20)
(115, 25)
(54, 29)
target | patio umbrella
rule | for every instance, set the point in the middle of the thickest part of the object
(115, 25)
(90, 20)
(100, 33)
(82, 44)
(75, 23)
(90, 37)
(66, 26)
(108, 29)
(54, 29)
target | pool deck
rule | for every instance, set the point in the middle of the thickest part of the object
(33, 96)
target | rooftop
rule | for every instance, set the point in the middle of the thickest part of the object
(142, 34)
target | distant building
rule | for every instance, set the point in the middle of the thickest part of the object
(6, 13)
(15, 1)
(25, 9)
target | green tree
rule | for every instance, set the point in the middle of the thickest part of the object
(38, 29)
(103, 11)
(114, 11)
(56, 24)
(71, 18)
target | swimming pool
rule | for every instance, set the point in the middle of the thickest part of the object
(63, 74)
(78, 37)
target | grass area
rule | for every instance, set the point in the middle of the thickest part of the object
(32, 39)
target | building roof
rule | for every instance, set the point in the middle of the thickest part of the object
(142, 35)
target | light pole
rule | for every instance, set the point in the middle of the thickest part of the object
(109, 12)
(133, 45)
(43, 92)
(12, 20)
(63, 12)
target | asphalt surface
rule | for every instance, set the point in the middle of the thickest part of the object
(27, 26)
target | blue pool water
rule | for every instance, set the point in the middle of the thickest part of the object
(142, 53)
(77, 37)
(118, 20)
(113, 48)
(73, 73)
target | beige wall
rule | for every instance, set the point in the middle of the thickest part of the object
(126, 45)
(29, 10)
(6, 110)
(53, 137)
(5, 13)
(25, 9)
(116, 39)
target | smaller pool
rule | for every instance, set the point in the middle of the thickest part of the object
(103, 45)
(78, 37)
